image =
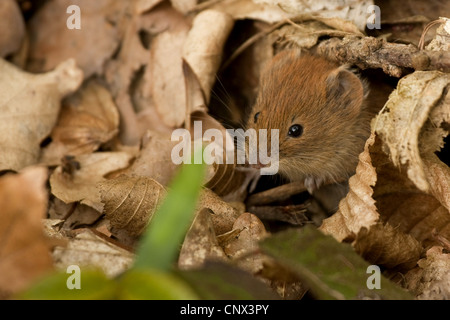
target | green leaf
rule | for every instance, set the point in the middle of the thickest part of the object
(331, 270)
(154, 285)
(161, 242)
(94, 285)
(221, 281)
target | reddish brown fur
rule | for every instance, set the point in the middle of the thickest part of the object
(328, 101)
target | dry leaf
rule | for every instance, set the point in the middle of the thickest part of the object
(120, 73)
(184, 6)
(72, 215)
(200, 243)
(145, 5)
(130, 202)
(87, 249)
(131, 75)
(29, 105)
(405, 114)
(160, 19)
(24, 250)
(203, 48)
(243, 246)
(52, 42)
(341, 24)
(307, 32)
(249, 9)
(195, 96)
(154, 160)
(357, 209)
(88, 119)
(438, 176)
(395, 202)
(375, 235)
(440, 42)
(386, 246)
(77, 179)
(168, 88)
(353, 10)
(12, 26)
(404, 21)
(431, 279)
(224, 215)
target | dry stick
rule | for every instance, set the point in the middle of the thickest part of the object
(393, 58)
(293, 214)
(280, 193)
(251, 41)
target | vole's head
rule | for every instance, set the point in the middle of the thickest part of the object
(315, 104)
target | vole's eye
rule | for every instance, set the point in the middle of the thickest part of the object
(295, 131)
(255, 118)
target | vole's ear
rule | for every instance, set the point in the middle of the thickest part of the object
(345, 90)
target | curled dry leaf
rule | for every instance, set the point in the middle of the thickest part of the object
(358, 209)
(412, 148)
(130, 202)
(200, 243)
(88, 119)
(203, 47)
(379, 221)
(438, 176)
(12, 26)
(29, 107)
(155, 161)
(87, 249)
(195, 96)
(430, 280)
(24, 250)
(405, 114)
(395, 202)
(77, 179)
(361, 217)
(228, 180)
(388, 247)
(52, 42)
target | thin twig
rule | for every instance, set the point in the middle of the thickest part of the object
(426, 29)
(280, 193)
(249, 42)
